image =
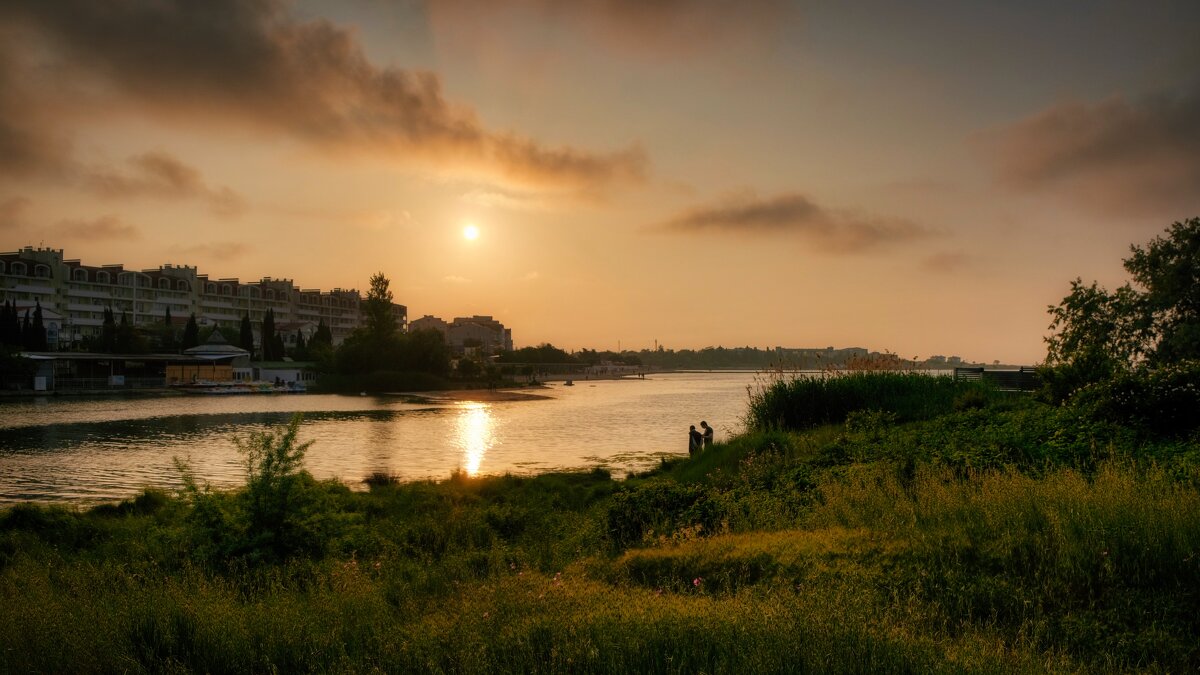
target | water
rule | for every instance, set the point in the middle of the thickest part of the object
(90, 450)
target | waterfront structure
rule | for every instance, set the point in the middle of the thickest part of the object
(74, 296)
(466, 334)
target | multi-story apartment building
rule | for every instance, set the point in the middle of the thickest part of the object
(74, 296)
(469, 332)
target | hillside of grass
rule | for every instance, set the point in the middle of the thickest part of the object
(875, 522)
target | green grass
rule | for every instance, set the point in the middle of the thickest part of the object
(1012, 537)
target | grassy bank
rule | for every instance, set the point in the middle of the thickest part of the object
(969, 531)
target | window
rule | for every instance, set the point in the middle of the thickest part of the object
(1, 267)
(164, 283)
(182, 285)
(270, 294)
(79, 274)
(210, 288)
(103, 277)
(226, 289)
(19, 269)
(41, 271)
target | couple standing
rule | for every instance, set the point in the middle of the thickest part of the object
(697, 440)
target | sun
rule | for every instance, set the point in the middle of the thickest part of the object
(470, 233)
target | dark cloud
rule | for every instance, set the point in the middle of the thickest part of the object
(158, 174)
(795, 214)
(12, 212)
(249, 62)
(104, 228)
(1119, 155)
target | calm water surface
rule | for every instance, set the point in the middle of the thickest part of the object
(73, 450)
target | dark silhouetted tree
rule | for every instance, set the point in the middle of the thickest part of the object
(108, 332)
(191, 333)
(269, 352)
(38, 338)
(380, 322)
(246, 335)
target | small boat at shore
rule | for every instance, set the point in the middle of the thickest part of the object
(569, 383)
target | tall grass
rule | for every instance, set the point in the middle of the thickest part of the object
(804, 402)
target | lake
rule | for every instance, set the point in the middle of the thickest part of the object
(90, 450)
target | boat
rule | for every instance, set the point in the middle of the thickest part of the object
(569, 383)
(210, 388)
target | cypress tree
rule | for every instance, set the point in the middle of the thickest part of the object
(191, 333)
(38, 338)
(168, 335)
(268, 337)
(26, 332)
(246, 337)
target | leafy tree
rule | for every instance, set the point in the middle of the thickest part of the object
(1156, 322)
(1153, 322)
(191, 333)
(378, 307)
(1168, 268)
(246, 335)
(127, 339)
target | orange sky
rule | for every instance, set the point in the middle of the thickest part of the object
(924, 179)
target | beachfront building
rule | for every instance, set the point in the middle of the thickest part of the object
(74, 296)
(468, 334)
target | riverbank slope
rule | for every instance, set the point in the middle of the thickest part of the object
(950, 528)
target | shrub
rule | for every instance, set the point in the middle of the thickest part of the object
(1162, 401)
(660, 507)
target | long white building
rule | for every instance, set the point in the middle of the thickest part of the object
(74, 296)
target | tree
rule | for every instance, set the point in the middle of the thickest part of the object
(1153, 322)
(38, 339)
(168, 334)
(26, 332)
(268, 338)
(1168, 268)
(300, 352)
(108, 332)
(191, 333)
(378, 307)
(246, 335)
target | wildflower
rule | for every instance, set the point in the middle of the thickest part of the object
(696, 582)
(658, 592)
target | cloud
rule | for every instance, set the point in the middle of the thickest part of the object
(250, 63)
(161, 175)
(12, 212)
(946, 262)
(220, 250)
(655, 28)
(1128, 156)
(504, 199)
(103, 228)
(795, 214)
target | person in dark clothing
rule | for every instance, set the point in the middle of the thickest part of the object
(695, 440)
(708, 434)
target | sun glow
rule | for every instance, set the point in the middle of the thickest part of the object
(470, 233)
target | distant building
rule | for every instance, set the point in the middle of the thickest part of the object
(469, 333)
(74, 296)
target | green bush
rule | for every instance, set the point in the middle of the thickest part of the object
(659, 507)
(807, 402)
(1161, 401)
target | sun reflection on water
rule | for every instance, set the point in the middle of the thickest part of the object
(474, 435)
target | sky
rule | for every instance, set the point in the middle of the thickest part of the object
(923, 178)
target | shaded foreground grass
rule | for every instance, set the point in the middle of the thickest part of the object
(1008, 537)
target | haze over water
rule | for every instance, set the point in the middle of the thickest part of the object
(77, 450)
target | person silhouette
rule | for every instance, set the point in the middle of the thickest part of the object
(708, 434)
(695, 440)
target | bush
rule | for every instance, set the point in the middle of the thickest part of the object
(282, 512)
(1162, 401)
(660, 508)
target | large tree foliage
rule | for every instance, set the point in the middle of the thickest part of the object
(1168, 268)
(1153, 321)
(378, 307)
(191, 333)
